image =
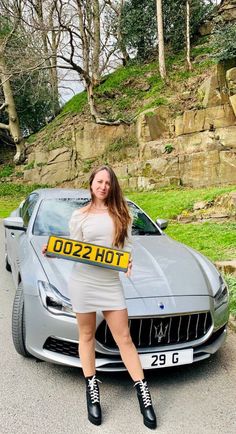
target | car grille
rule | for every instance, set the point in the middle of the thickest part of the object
(60, 346)
(169, 330)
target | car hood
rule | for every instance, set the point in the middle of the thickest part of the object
(162, 267)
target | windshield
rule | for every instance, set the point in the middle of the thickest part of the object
(53, 218)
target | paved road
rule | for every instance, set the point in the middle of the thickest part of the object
(44, 398)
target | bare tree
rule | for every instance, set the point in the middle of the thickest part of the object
(161, 47)
(41, 18)
(85, 48)
(117, 8)
(8, 105)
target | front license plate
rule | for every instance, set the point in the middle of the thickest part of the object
(167, 358)
(88, 253)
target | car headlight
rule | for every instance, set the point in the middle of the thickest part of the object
(222, 295)
(53, 300)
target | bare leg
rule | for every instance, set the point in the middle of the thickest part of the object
(87, 326)
(117, 321)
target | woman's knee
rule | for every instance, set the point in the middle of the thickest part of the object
(123, 339)
(86, 336)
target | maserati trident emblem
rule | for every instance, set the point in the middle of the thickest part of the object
(160, 332)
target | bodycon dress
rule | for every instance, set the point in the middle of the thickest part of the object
(92, 288)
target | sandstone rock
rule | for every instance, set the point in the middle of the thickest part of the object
(40, 156)
(152, 124)
(218, 117)
(232, 196)
(155, 167)
(31, 157)
(57, 173)
(200, 169)
(59, 155)
(196, 142)
(200, 205)
(133, 183)
(93, 139)
(227, 170)
(32, 176)
(206, 28)
(227, 136)
(193, 120)
(231, 80)
(153, 149)
(233, 103)
(121, 171)
(209, 92)
(208, 119)
(179, 126)
(227, 266)
(227, 11)
(124, 183)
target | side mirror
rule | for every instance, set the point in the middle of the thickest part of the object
(162, 223)
(15, 223)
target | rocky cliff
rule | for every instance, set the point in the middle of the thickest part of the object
(196, 148)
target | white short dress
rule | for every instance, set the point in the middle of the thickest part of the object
(92, 288)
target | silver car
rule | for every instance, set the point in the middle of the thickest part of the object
(177, 300)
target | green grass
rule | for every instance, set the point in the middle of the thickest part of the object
(12, 194)
(215, 240)
(6, 170)
(168, 203)
(75, 104)
(231, 281)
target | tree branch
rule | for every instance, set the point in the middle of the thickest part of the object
(3, 106)
(4, 127)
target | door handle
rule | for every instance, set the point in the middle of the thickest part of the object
(12, 235)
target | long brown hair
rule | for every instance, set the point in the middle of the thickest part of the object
(117, 206)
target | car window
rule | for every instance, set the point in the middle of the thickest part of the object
(142, 225)
(28, 207)
(54, 215)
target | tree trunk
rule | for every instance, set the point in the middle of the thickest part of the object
(96, 42)
(50, 55)
(93, 110)
(188, 36)
(13, 126)
(161, 47)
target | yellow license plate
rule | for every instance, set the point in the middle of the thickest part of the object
(88, 253)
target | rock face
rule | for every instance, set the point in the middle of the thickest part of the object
(196, 148)
(215, 210)
(227, 10)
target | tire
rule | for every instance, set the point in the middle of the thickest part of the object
(18, 323)
(8, 267)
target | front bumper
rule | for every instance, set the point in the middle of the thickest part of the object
(54, 338)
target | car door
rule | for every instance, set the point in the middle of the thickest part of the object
(16, 237)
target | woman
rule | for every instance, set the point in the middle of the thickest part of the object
(104, 221)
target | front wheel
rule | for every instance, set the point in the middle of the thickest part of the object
(18, 323)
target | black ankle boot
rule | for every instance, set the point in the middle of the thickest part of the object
(145, 402)
(93, 400)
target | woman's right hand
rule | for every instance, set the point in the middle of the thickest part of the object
(44, 249)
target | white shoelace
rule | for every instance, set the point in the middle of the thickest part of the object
(144, 392)
(93, 389)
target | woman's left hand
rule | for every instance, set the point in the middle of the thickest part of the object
(128, 272)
